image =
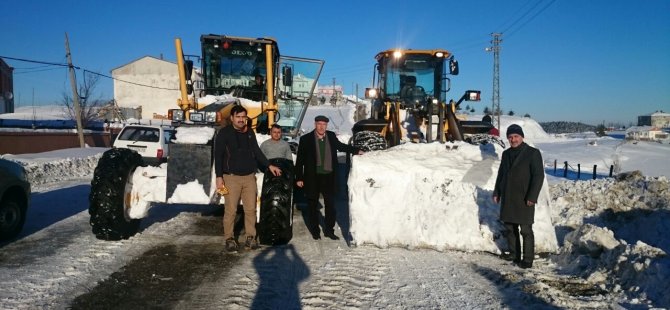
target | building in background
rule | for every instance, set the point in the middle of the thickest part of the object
(646, 133)
(149, 86)
(6, 88)
(329, 93)
(658, 119)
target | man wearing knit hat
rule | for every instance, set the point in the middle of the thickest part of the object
(517, 188)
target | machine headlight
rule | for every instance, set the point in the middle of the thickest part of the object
(196, 117)
(370, 93)
(397, 54)
(177, 115)
(210, 117)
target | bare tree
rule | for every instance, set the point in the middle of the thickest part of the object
(89, 101)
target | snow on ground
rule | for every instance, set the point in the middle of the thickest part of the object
(425, 195)
(610, 239)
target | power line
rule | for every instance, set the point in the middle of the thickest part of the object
(138, 84)
(531, 18)
(78, 68)
(36, 70)
(38, 62)
(522, 15)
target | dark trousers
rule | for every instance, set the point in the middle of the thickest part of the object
(512, 234)
(324, 186)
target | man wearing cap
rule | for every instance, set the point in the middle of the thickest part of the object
(316, 171)
(517, 188)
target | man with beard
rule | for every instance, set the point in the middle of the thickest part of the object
(237, 158)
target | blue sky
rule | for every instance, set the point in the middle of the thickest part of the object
(575, 60)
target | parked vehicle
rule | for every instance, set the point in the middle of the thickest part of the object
(150, 141)
(14, 199)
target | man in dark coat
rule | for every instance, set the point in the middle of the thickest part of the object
(517, 188)
(316, 171)
(237, 157)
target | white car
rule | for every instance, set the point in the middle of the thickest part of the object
(150, 141)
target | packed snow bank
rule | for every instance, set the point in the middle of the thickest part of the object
(58, 165)
(616, 235)
(434, 195)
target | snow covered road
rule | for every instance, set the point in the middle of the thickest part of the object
(177, 261)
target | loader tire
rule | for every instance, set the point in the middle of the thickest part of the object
(108, 208)
(369, 141)
(275, 226)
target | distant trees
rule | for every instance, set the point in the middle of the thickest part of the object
(526, 115)
(487, 111)
(89, 102)
(510, 113)
(600, 130)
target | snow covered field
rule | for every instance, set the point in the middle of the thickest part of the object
(609, 247)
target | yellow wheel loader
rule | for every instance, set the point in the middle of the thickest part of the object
(233, 71)
(409, 102)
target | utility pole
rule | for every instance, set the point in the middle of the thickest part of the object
(333, 100)
(75, 94)
(356, 92)
(495, 107)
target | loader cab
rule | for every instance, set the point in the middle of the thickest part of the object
(415, 78)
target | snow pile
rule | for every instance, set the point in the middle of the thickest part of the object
(436, 196)
(618, 233)
(57, 166)
(149, 185)
(341, 118)
(194, 135)
(222, 99)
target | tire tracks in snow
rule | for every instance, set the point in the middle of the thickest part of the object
(352, 277)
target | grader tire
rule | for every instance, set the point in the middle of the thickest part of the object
(108, 210)
(369, 141)
(276, 214)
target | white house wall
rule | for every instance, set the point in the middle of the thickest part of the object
(156, 100)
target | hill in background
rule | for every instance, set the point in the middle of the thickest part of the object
(566, 127)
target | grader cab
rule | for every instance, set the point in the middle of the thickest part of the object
(233, 71)
(409, 101)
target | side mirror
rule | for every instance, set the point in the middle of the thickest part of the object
(371, 93)
(473, 95)
(470, 95)
(453, 67)
(188, 67)
(287, 76)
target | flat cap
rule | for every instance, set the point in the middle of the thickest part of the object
(321, 118)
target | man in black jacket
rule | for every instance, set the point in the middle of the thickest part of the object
(236, 159)
(517, 188)
(316, 171)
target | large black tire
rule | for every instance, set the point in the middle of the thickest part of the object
(369, 141)
(108, 208)
(276, 214)
(12, 218)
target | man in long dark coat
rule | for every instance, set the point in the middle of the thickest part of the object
(316, 170)
(517, 188)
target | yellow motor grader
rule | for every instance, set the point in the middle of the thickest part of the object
(230, 71)
(409, 102)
